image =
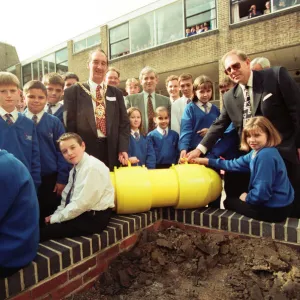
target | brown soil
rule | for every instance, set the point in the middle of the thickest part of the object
(176, 264)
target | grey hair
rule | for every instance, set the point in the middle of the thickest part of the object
(147, 70)
(264, 62)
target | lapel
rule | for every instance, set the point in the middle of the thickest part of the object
(239, 98)
(110, 109)
(86, 106)
(257, 89)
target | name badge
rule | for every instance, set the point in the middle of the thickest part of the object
(111, 98)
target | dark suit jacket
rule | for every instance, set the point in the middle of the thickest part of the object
(282, 108)
(81, 120)
(137, 100)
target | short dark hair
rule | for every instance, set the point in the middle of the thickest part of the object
(34, 84)
(226, 82)
(96, 50)
(70, 75)
(114, 70)
(53, 78)
(70, 135)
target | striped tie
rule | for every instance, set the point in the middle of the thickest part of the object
(34, 119)
(9, 120)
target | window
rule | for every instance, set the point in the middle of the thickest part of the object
(200, 13)
(119, 40)
(169, 20)
(142, 32)
(85, 43)
(49, 63)
(26, 71)
(61, 58)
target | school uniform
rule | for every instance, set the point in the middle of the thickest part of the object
(56, 110)
(86, 202)
(19, 231)
(196, 116)
(138, 147)
(165, 146)
(18, 136)
(270, 195)
(54, 168)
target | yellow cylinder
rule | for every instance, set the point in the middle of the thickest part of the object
(164, 185)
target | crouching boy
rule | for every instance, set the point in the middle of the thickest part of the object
(88, 198)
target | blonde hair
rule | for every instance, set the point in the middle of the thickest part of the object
(7, 78)
(170, 78)
(263, 124)
(129, 113)
(161, 109)
(132, 80)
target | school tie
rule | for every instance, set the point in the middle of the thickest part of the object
(34, 119)
(247, 113)
(164, 132)
(68, 198)
(9, 120)
(205, 108)
(150, 110)
(136, 135)
(188, 101)
(100, 110)
(49, 110)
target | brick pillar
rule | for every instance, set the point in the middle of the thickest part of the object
(104, 39)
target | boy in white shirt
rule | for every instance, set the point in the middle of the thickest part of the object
(87, 199)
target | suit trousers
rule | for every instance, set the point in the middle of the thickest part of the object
(48, 200)
(100, 150)
(293, 171)
(88, 223)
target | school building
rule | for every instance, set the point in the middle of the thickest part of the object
(155, 35)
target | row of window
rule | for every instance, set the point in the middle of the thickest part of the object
(161, 26)
(85, 43)
(54, 62)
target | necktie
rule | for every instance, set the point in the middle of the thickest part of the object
(205, 108)
(49, 110)
(247, 113)
(68, 198)
(164, 132)
(9, 120)
(136, 135)
(34, 119)
(150, 110)
(188, 101)
(100, 110)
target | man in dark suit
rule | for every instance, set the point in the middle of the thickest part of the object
(274, 95)
(147, 101)
(97, 113)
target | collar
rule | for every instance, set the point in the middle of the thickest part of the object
(186, 98)
(133, 131)
(93, 85)
(161, 131)
(249, 83)
(146, 95)
(208, 104)
(80, 164)
(29, 115)
(54, 105)
(14, 113)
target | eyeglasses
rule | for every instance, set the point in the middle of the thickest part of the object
(235, 66)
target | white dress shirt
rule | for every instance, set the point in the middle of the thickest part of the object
(177, 110)
(161, 131)
(93, 87)
(92, 190)
(29, 115)
(146, 106)
(14, 114)
(133, 132)
(201, 106)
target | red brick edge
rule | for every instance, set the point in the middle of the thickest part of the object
(81, 276)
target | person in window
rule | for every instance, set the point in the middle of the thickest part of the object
(268, 9)
(253, 12)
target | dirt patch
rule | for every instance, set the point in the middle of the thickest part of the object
(176, 264)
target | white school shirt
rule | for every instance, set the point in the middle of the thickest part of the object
(29, 115)
(201, 106)
(54, 107)
(161, 131)
(92, 190)
(177, 110)
(14, 114)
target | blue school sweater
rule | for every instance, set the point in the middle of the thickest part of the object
(20, 139)
(142, 151)
(49, 129)
(269, 184)
(59, 114)
(193, 120)
(19, 214)
(227, 146)
(165, 147)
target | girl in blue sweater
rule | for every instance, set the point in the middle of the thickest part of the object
(270, 193)
(197, 116)
(139, 152)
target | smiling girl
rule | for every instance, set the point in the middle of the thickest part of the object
(270, 193)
